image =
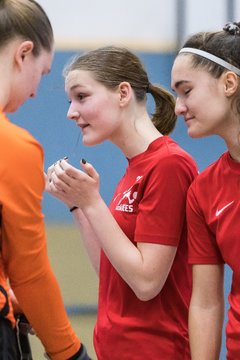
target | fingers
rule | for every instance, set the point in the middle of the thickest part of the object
(58, 183)
(64, 171)
(53, 182)
(89, 169)
(71, 185)
(48, 176)
(62, 176)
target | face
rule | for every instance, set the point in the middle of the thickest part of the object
(27, 79)
(200, 99)
(95, 108)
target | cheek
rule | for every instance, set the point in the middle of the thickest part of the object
(198, 104)
(97, 111)
(91, 115)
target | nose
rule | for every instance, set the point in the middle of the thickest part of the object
(72, 113)
(180, 107)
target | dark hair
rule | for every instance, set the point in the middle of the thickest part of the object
(28, 20)
(112, 65)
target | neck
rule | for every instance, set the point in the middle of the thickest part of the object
(234, 147)
(136, 135)
(235, 155)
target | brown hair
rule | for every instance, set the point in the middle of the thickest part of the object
(112, 65)
(224, 44)
(28, 20)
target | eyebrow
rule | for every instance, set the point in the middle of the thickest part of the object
(179, 83)
(73, 87)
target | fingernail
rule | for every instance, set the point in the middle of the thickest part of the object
(65, 158)
(84, 161)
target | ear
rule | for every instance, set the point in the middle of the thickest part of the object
(231, 82)
(125, 93)
(25, 48)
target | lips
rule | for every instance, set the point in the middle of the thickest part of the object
(188, 119)
(82, 126)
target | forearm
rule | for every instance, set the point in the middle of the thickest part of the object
(89, 239)
(205, 331)
(135, 264)
(42, 303)
(140, 263)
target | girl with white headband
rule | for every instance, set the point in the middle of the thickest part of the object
(206, 78)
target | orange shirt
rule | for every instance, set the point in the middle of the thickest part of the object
(23, 258)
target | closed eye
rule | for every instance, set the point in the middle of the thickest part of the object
(182, 93)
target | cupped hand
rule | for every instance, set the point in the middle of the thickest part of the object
(73, 186)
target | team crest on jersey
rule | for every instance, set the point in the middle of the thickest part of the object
(128, 197)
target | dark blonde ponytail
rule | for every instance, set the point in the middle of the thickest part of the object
(164, 118)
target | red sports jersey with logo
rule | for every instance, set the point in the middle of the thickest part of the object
(149, 205)
(214, 231)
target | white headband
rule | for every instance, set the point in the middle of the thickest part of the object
(211, 57)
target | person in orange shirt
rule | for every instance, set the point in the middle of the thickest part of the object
(26, 53)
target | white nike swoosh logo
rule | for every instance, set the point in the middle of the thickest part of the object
(218, 212)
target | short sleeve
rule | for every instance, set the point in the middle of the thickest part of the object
(202, 244)
(162, 210)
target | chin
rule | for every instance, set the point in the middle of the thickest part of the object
(87, 141)
(90, 142)
(10, 110)
(13, 106)
(191, 134)
(194, 134)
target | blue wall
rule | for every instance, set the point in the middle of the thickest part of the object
(45, 118)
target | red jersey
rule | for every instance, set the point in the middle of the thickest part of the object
(149, 206)
(23, 254)
(213, 215)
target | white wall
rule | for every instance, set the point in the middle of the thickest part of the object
(141, 24)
